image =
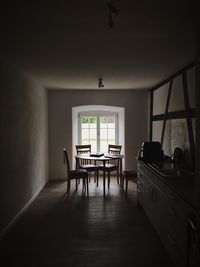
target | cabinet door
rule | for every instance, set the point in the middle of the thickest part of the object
(140, 190)
(177, 220)
(167, 212)
(147, 200)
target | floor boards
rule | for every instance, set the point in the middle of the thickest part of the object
(81, 231)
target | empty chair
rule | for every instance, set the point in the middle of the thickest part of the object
(114, 149)
(74, 175)
(85, 163)
(113, 164)
(126, 177)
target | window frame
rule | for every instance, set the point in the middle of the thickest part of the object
(99, 114)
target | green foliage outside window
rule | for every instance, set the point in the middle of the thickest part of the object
(89, 120)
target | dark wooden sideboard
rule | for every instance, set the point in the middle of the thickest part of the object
(168, 202)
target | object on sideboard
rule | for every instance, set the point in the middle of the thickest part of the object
(151, 152)
(178, 155)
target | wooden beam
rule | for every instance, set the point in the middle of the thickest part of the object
(166, 111)
(151, 116)
(191, 65)
(188, 118)
(174, 115)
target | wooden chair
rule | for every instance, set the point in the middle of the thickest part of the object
(113, 164)
(74, 175)
(87, 164)
(128, 176)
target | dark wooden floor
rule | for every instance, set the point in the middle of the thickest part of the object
(81, 231)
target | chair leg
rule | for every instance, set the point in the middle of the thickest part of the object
(118, 177)
(108, 179)
(76, 184)
(126, 186)
(122, 182)
(97, 173)
(87, 189)
(68, 188)
(83, 188)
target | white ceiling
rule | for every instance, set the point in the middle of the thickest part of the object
(68, 45)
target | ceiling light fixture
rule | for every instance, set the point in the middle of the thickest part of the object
(100, 82)
(112, 10)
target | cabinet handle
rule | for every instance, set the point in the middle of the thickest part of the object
(172, 196)
(139, 190)
(140, 181)
(142, 173)
(172, 211)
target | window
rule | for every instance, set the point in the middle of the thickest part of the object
(88, 131)
(98, 129)
(93, 110)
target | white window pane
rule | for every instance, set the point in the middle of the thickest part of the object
(111, 125)
(85, 142)
(99, 141)
(85, 121)
(93, 146)
(103, 134)
(103, 125)
(93, 134)
(103, 119)
(111, 134)
(93, 125)
(92, 122)
(111, 142)
(85, 125)
(103, 146)
(85, 134)
(111, 119)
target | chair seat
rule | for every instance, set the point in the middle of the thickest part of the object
(108, 167)
(78, 174)
(90, 167)
(131, 175)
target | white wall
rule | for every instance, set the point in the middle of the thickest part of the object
(60, 105)
(23, 135)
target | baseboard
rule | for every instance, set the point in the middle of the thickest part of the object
(20, 213)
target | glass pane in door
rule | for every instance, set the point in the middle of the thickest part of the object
(107, 132)
(89, 131)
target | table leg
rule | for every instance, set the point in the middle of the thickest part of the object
(104, 178)
(77, 164)
(120, 174)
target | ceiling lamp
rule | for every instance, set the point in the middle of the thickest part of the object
(100, 82)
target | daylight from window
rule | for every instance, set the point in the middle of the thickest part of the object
(99, 131)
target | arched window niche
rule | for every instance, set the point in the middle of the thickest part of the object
(76, 111)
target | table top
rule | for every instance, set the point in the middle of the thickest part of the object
(104, 157)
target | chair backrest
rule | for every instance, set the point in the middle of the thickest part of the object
(66, 161)
(83, 149)
(114, 149)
